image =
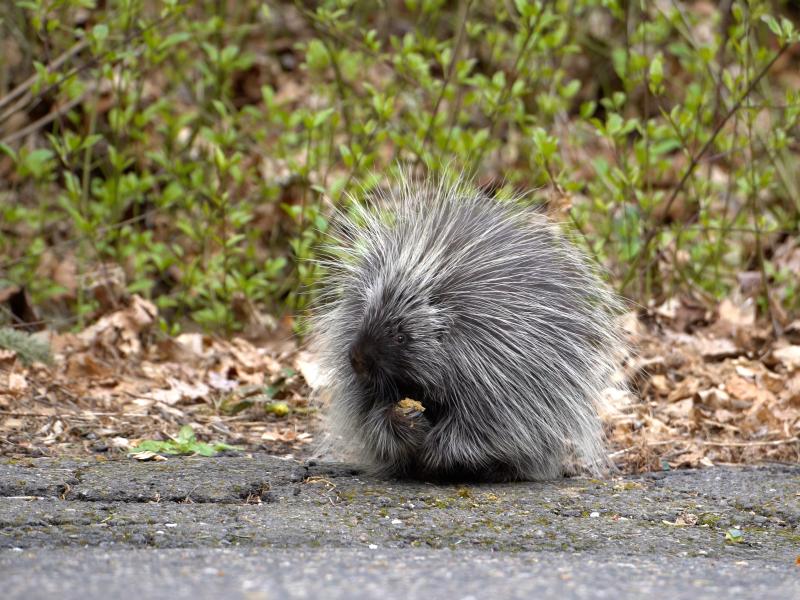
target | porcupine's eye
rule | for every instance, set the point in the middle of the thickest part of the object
(400, 338)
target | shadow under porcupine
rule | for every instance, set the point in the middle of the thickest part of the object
(463, 338)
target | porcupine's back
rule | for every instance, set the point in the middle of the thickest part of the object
(524, 332)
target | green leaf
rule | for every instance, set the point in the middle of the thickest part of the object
(614, 124)
(174, 39)
(572, 88)
(185, 435)
(322, 116)
(100, 32)
(656, 71)
(151, 446)
(664, 147)
(38, 162)
(203, 449)
(588, 109)
(184, 443)
(772, 23)
(317, 57)
(9, 151)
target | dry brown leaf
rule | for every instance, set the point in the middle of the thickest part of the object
(722, 415)
(716, 348)
(118, 333)
(7, 357)
(791, 392)
(12, 423)
(178, 390)
(106, 284)
(16, 384)
(788, 356)
(660, 384)
(147, 455)
(743, 389)
(84, 364)
(738, 314)
(714, 398)
(686, 388)
(680, 410)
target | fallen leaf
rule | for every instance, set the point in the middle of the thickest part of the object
(17, 383)
(789, 356)
(740, 314)
(716, 348)
(118, 333)
(147, 455)
(309, 369)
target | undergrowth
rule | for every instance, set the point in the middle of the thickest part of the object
(201, 145)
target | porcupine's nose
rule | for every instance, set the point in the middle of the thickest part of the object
(361, 359)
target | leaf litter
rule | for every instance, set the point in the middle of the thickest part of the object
(119, 384)
(705, 387)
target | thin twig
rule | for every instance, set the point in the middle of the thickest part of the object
(48, 118)
(791, 440)
(30, 81)
(82, 415)
(91, 61)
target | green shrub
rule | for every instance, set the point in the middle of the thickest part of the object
(201, 145)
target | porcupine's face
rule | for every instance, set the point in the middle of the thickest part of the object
(395, 350)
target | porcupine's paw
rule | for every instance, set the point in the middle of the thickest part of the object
(409, 412)
(397, 435)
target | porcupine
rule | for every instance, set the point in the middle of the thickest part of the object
(484, 313)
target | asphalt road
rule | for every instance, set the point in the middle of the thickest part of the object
(260, 527)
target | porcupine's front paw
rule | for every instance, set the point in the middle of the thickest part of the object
(399, 432)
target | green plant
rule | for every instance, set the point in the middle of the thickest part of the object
(203, 149)
(184, 443)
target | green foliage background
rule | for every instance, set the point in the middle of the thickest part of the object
(202, 145)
